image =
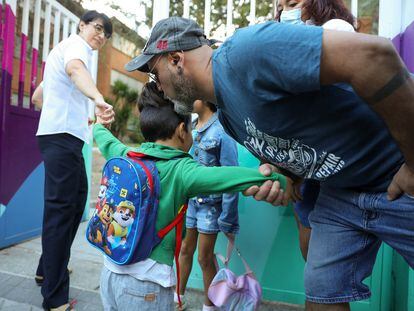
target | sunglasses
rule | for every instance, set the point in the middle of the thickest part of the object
(153, 75)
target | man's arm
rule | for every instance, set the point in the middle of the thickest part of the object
(376, 72)
(81, 77)
(37, 97)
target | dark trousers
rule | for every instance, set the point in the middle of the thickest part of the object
(65, 195)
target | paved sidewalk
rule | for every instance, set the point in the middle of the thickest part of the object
(19, 292)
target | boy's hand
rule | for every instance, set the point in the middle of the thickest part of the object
(271, 191)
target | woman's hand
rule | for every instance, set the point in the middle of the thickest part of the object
(104, 112)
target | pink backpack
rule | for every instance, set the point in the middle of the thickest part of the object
(232, 292)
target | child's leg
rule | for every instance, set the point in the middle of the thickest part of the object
(206, 261)
(186, 257)
(107, 294)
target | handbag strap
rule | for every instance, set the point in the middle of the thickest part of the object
(230, 247)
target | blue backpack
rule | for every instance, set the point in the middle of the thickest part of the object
(123, 224)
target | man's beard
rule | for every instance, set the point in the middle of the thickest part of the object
(185, 94)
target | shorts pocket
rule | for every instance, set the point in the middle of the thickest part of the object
(147, 297)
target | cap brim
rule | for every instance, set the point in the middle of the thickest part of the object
(139, 63)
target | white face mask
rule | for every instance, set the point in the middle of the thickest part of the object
(292, 17)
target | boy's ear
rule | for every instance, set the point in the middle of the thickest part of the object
(181, 132)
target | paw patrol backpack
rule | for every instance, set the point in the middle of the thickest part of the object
(123, 224)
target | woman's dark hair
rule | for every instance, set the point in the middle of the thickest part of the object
(321, 11)
(158, 120)
(90, 16)
(211, 106)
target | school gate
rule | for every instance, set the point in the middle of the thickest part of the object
(25, 41)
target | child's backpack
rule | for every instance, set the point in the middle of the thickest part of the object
(123, 225)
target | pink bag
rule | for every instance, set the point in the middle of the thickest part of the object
(232, 292)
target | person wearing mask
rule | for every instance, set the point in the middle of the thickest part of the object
(330, 14)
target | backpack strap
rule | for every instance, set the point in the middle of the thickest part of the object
(177, 223)
(146, 170)
(136, 154)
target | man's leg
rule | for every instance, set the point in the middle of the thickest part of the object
(393, 222)
(304, 238)
(206, 245)
(310, 306)
(310, 192)
(341, 253)
(186, 257)
(62, 160)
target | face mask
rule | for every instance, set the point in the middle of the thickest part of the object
(292, 17)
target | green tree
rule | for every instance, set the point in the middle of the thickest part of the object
(241, 11)
(125, 125)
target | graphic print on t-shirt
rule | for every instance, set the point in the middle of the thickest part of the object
(291, 154)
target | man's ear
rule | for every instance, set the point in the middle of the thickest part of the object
(176, 58)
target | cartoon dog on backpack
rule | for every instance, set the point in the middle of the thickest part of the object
(123, 218)
(99, 227)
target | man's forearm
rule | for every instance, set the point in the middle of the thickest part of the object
(391, 95)
(397, 110)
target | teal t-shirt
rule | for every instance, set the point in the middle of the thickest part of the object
(267, 86)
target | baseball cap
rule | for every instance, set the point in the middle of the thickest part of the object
(169, 35)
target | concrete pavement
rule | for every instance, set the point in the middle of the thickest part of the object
(18, 291)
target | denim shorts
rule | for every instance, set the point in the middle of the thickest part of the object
(122, 292)
(347, 231)
(203, 216)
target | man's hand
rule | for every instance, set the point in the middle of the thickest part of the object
(103, 111)
(271, 191)
(403, 182)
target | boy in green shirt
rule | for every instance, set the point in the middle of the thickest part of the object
(149, 283)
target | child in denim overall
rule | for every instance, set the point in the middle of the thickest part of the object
(207, 215)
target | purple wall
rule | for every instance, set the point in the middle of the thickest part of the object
(404, 43)
(21, 205)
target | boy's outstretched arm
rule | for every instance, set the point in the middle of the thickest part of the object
(108, 144)
(199, 179)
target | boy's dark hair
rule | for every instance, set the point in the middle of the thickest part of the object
(211, 106)
(158, 120)
(90, 16)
